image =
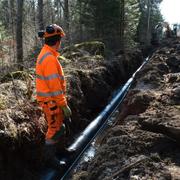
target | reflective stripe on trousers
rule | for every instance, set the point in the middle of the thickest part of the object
(49, 94)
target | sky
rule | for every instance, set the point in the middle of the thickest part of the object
(170, 10)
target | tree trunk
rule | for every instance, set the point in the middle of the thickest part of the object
(81, 25)
(148, 23)
(34, 22)
(12, 27)
(66, 20)
(122, 24)
(19, 42)
(59, 19)
(40, 15)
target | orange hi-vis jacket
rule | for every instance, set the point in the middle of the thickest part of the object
(50, 82)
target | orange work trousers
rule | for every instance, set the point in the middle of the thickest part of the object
(54, 117)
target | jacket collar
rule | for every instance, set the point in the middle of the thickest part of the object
(50, 49)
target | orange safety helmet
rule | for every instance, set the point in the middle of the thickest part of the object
(51, 30)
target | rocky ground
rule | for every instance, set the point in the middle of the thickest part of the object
(91, 79)
(144, 142)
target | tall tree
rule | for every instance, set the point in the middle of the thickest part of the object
(19, 40)
(40, 14)
(80, 21)
(66, 20)
(101, 20)
(132, 16)
(122, 23)
(58, 9)
(34, 20)
(12, 26)
(148, 22)
(150, 16)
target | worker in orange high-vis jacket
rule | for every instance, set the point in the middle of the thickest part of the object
(51, 84)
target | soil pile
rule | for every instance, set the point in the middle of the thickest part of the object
(91, 78)
(144, 143)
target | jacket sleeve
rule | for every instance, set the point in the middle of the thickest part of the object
(55, 81)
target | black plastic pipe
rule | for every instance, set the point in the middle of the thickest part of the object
(91, 131)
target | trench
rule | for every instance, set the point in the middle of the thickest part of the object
(85, 144)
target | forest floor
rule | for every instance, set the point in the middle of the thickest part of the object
(144, 143)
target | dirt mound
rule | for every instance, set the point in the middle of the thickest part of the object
(144, 143)
(22, 136)
(91, 78)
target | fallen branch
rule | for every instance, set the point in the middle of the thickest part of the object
(126, 168)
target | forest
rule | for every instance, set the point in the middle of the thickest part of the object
(117, 23)
(118, 71)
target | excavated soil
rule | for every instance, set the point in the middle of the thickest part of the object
(144, 142)
(91, 80)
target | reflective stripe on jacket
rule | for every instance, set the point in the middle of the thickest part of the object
(50, 82)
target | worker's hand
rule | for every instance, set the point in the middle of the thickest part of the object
(67, 111)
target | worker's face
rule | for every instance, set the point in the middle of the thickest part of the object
(58, 45)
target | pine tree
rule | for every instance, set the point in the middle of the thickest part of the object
(131, 22)
(19, 38)
(144, 34)
(40, 14)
